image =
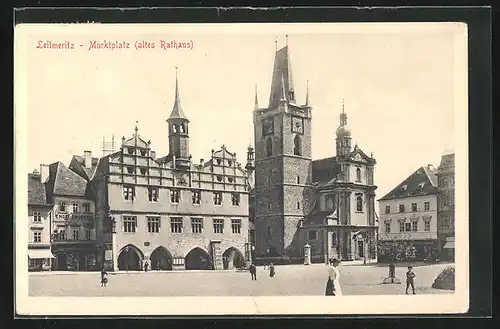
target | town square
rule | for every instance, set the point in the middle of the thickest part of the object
(290, 280)
(305, 187)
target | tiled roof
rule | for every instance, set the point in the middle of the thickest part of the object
(318, 217)
(63, 181)
(36, 190)
(324, 170)
(88, 171)
(421, 182)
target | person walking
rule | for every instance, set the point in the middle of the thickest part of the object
(253, 271)
(333, 283)
(410, 280)
(146, 265)
(272, 271)
(104, 277)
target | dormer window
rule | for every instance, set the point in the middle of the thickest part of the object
(219, 161)
(130, 150)
(144, 171)
(219, 178)
(143, 153)
(403, 188)
(130, 169)
(229, 163)
(230, 179)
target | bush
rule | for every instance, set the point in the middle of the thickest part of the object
(445, 279)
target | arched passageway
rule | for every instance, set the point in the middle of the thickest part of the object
(161, 259)
(130, 258)
(233, 258)
(198, 259)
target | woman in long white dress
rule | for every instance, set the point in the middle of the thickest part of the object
(333, 284)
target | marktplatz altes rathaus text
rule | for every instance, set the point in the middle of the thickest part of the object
(131, 208)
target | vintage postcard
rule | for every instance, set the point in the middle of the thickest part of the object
(249, 169)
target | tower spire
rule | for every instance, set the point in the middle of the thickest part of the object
(177, 112)
(256, 98)
(307, 92)
(283, 90)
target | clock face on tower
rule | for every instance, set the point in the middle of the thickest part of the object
(297, 125)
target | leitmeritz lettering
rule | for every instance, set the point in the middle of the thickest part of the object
(110, 45)
(55, 45)
(176, 44)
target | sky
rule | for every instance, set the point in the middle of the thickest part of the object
(397, 83)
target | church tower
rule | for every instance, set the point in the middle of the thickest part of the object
(343, 140)
(283, 190)
(178, 132)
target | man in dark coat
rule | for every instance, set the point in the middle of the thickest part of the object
(253, 271)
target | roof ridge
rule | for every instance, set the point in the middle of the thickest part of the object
(427, 170)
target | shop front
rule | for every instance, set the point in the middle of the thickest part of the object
(74, 258)
(39, 259)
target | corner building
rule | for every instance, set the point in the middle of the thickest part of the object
(170, 212)
(326, 203)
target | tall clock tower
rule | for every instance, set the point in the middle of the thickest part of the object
(283, 190)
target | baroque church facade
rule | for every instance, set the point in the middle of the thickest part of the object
(328, 203)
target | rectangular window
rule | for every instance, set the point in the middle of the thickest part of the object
(176, 225)
(61, 234)
(86, 207)
(175, 196)
(413, 207)
(427, 225)
(128, 192)
(197, 225)
(236, 226)
(153, 194)
(401, 226)
(37, 217)
(218, 226)
(427, 206)
(75, 234)
(37, 236)
(387, 209)
(235, 199)
(407, 227)
(388, 227)
(414, 226)
(218, 198)
(196, 197)
(313, 235)
(62, 206)
(129, 224)
(87, 234)
(401, 208)
(75, 207)
(154, 224)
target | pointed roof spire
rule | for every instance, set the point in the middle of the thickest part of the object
(281, 78)
(283, 90)
(343, 105)
(177, 112)
(256, 98)
(307, 92)
(136, 129)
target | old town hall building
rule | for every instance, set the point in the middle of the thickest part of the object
(167, 212)
(328, 203)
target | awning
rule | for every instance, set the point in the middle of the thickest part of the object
(40, 253)
(450, 243)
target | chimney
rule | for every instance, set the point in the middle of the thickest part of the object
(44, 173)
(87, 159)
(152, 154)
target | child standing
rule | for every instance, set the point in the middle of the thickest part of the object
(410, 280)
(104, 277)
(272, 271)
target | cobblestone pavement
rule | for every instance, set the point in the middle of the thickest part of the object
(289, 280)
